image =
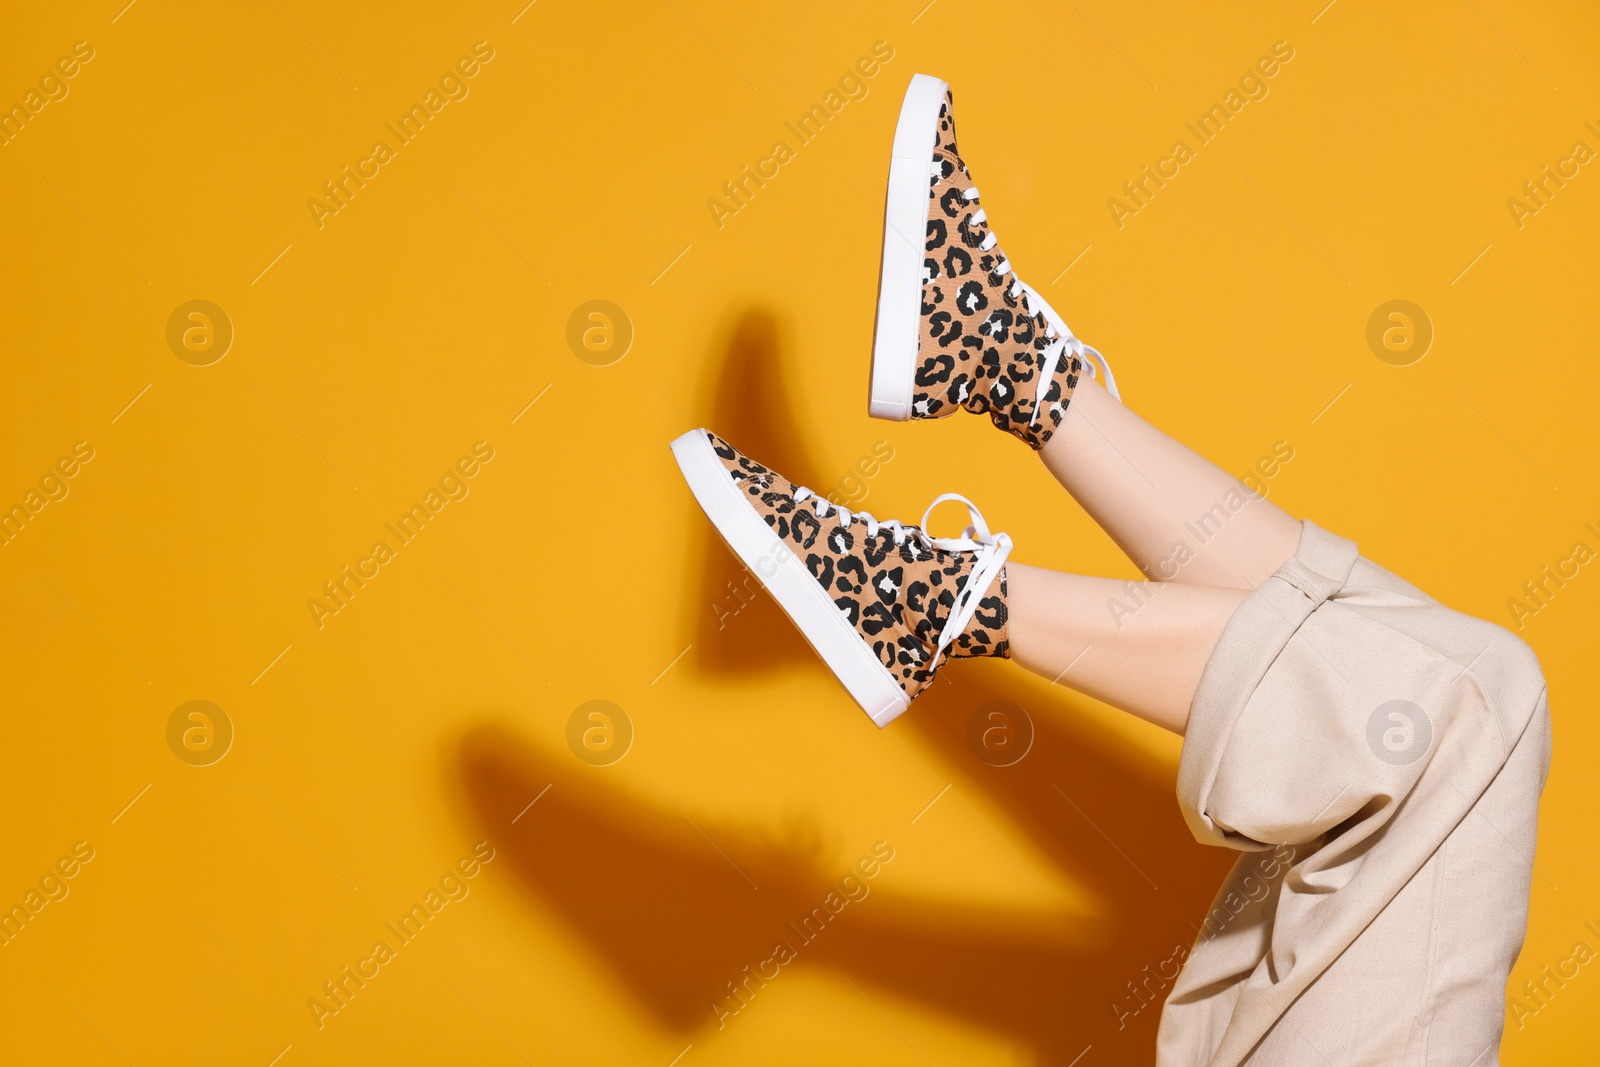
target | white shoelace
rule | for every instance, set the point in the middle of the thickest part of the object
(1057, 330)
(991, 551)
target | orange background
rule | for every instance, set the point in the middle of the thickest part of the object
(372, 754)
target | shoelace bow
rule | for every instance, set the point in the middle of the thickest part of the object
(1061, 336)
(990, 552)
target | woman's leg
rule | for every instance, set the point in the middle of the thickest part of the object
(1176, 515)
(1139, 646)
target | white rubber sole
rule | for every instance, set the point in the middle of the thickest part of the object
(785, 576)
(905, 227)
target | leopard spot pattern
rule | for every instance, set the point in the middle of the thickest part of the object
(897, 596)
(981, 348)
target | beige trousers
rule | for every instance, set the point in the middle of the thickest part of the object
(1378, 759)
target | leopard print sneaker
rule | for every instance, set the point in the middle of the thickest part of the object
(883, 604)
(956, 328)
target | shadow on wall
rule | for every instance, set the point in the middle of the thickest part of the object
(679, 911)
(737, 628)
